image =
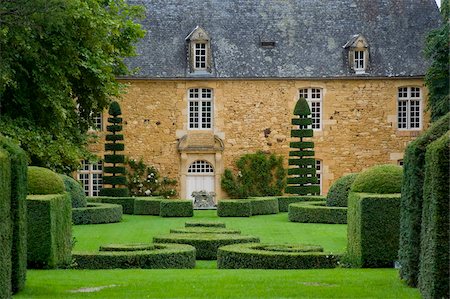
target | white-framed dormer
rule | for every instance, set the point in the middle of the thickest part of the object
(199, 51)
(357, 49)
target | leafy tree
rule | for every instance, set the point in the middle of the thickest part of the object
(58, 64)
(437, 76)
(259, 174)
(117, 170)
(302, 180)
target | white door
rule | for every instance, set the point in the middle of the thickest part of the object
(200, 178)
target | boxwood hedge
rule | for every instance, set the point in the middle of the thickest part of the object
(373, 229)
(96, 213)
(264, 205)
(5, 225)
(337, 196)
(204, 230)
(206, 245)
(49, 228)
(127, 247)
(204, 224)
(176, 208)
(164, 256)
(316, 212)
(273, 256)
(44, 181)
(285, 201)
(234, 208)
(75, 190)
(380, 179)
(126, 202)
(147, 205)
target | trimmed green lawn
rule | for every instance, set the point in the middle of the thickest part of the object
(208, 282)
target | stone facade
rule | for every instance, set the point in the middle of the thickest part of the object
(359, 123)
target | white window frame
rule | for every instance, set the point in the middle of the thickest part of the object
(359, 61)
(200, 167)
(319, 172)
(91, 175)
(98, 122)
(408, 98)
(202, 98)
(314, 97)
(200, 56)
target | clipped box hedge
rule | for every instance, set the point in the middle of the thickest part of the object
(96, 213)
(272, 256)
(285, 201)
(49, 230)
(147, 205)
(206, 245)
(204, 230)
(234, 208)
(164, 256)
(316, 212)
(373, 229)
(5, 225)
(204, 224)
(176, 208)
(264, 205)
(126, 202)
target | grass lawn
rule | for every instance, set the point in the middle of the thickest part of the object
(208, 282)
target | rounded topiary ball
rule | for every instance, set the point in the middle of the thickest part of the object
(338, 194)
(75, 190)
(382, 179)
(44, 181)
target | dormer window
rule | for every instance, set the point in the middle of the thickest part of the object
(199, 51)
(358, 54)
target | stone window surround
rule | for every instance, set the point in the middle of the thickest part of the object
(90, 174)
(356, 47)
(408, 100)
(318, 101)
(200, 100)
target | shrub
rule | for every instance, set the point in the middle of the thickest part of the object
(44, 181)
(302, 172)
(234, 208)
(145, 180)
(204, 230)
(285, 201)
(338, 194)
(204, 224)
(49, 230)
(75, 190)
(96, 213)
(264, 205)
(127, 247)
(412, 198)
(127, 203)
(18, 213)
(5, 225)
(147, 205)
(373, 229)
(380, 179)
(259, 174)
(164, 256)
(272, 256)
(434, 255)
(316, 212)
(206, 245)
(176, 208)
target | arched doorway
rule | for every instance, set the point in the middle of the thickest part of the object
(200, 177)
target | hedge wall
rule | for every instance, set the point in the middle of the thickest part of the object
(264, 205)
(126, 202)
(285, 201)
(165, 256)
(147, 205)
(234, 208)
(18, 213)
(127, 247)
(337, 196)
(435, 243)
(206, 245)
(5, 225)
(96, 213)
(204, 230)
(75, 190)
(176, 208)
(204, 224)
(271, 256)
(49, 230)
(373, 229)
(316, 212)
(412, 198)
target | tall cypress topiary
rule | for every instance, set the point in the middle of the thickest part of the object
(116, 172)
(302, 172)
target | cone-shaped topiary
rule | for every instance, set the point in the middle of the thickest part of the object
(302, 172)
(116, 172)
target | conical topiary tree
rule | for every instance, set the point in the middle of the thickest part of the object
(302, 178)
(116, 172)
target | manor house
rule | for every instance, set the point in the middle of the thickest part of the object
(217, 79)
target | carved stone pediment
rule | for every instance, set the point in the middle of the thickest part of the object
(204, 142)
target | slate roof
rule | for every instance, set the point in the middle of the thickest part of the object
(309, 36)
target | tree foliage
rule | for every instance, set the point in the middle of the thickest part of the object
(437, 76)
(58, 65)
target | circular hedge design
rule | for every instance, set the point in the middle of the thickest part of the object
(273, 256)
(96, 213)
(205, 244)
(204, 230)
(204, 224)
(127, 247)
(163, 256)
(316, 212)
(44, 181)
(381, 179)
(75, 190)
(338, 194)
